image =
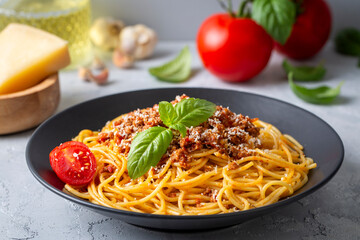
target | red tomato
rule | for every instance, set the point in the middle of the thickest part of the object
(73, 163)
(233, 49)
(310, 31)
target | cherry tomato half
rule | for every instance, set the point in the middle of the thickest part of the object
(310, 31)
(233, 49)
(73, 163)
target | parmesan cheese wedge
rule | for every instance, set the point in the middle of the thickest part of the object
(28, 55)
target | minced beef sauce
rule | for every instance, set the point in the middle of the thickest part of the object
(233, 135)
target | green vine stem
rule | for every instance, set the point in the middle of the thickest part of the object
(243, 11)
(228, 7)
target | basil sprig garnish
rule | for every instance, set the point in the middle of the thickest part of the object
(318, 95)
(149, 146)
(276, 17)
(305, 73)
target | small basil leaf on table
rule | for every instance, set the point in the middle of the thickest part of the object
(146, 150)
(167, 113)
(177, 70)
(347, 42)
(305, 73)
(276, 17)
(192, 112)
(319, 95)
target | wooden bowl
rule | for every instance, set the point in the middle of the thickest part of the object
(28, 108)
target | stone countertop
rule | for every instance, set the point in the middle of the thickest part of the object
(29, 211)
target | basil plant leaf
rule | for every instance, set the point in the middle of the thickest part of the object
(192, 112)
(276, 17)
(180, 127)
(177, 70)
(347, 42)
(146, 150)
(319, 95)
(305, 73)
(167, 113)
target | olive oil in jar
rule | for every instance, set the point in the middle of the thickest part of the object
(68, 19)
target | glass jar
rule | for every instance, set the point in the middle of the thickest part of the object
(68, 19)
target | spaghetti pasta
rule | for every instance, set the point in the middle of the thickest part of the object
(229, 163)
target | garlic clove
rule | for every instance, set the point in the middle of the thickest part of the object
(97, 64)
(102, 77)
(86, 75)
(122, 60)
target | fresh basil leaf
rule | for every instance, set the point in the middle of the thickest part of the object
(276, 17)
(146, 150)
(319, 95)
(305, 73)
(180, 127)
(177, 70)
(167, 113)
(192, 112)
(347, 42)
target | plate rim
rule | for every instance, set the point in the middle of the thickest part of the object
(97, 207)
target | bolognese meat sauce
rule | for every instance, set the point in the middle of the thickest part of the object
(231, 134)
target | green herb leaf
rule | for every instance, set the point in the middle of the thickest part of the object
(167, 113)
(347, 42)
(177, 70)
(276, 16)
(146, 150)
(192, 112)
(186, 113)
(319, 95)
(305, 73)
(180, 127)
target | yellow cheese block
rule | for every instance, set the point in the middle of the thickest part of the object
(28, 55)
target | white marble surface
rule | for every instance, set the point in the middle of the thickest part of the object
(29, 211)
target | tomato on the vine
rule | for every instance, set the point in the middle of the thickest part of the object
(234, 49)
(310, 31)
(73, 163)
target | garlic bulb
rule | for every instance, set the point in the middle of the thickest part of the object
(104, 32)
(138, 41)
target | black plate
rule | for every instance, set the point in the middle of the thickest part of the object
(321, 143)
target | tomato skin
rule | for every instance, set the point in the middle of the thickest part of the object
(233, 49)
(73, 163)
(310, 31)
